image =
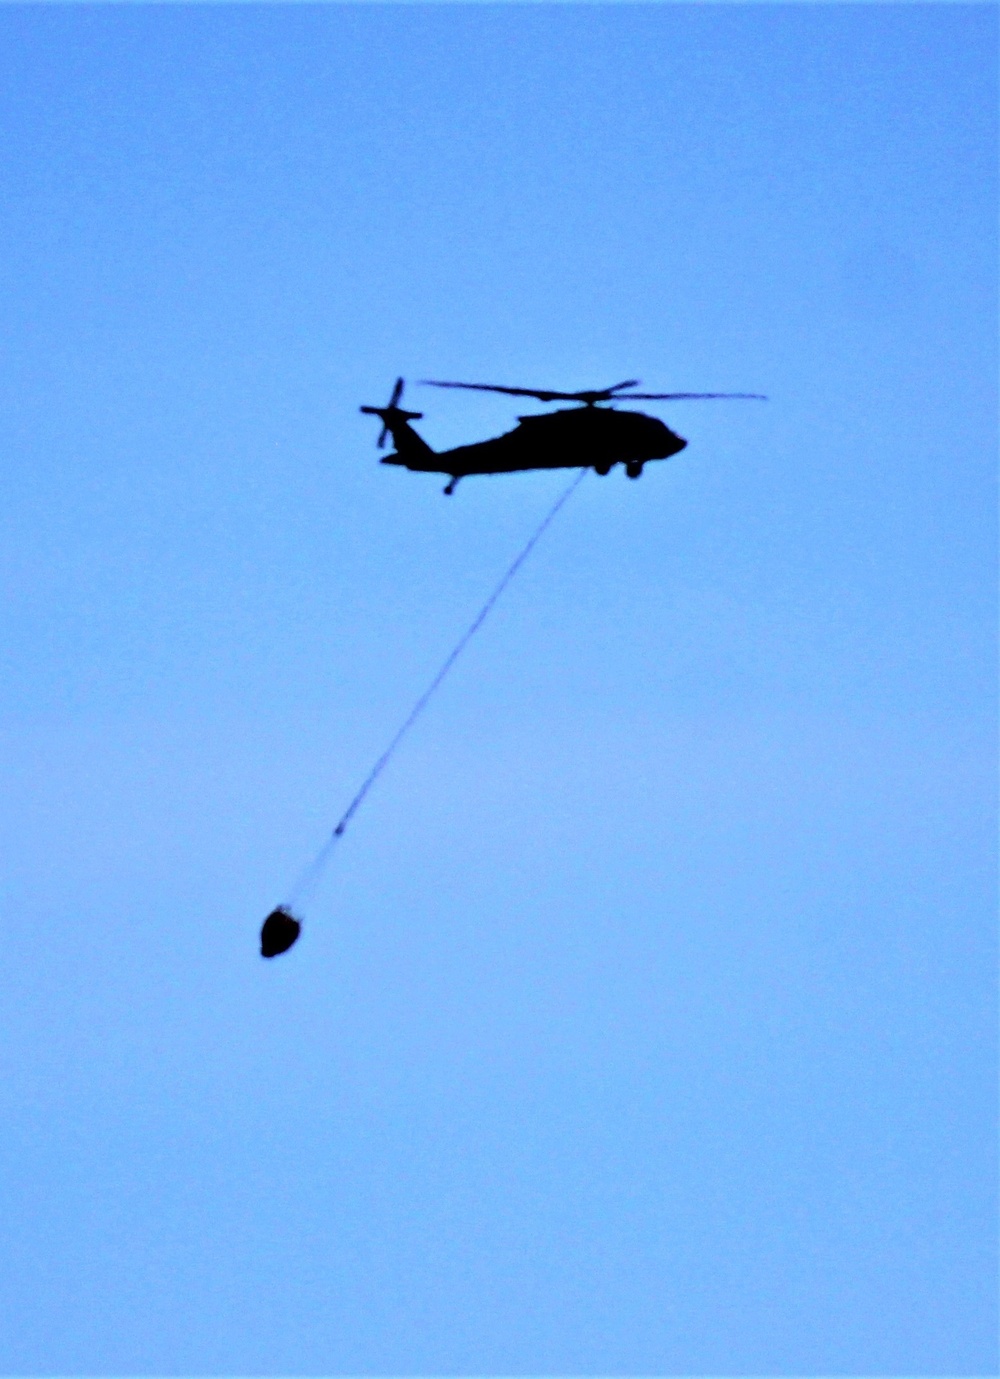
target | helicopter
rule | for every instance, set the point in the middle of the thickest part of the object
(588, 435)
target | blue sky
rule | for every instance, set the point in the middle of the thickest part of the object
(646, 1021)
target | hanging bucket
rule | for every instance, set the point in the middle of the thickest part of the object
(278, 932)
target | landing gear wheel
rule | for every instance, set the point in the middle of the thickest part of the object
(604, 469)
(634, 468)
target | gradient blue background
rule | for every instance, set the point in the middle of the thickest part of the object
(646, 1022)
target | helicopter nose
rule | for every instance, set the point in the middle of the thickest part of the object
(673, 445)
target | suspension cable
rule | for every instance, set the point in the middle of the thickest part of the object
(312, 874)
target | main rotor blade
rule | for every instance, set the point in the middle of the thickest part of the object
(589, 395)
(683, 397)
(543, 395)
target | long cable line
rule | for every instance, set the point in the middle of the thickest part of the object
(312, 874)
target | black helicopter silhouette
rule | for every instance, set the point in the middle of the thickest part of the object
(588, 436)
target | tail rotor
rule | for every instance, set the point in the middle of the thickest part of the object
(397, 393)
(390, 413)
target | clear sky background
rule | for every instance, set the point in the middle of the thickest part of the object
(646, 1021)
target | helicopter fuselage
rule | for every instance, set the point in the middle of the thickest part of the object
(571, 438)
